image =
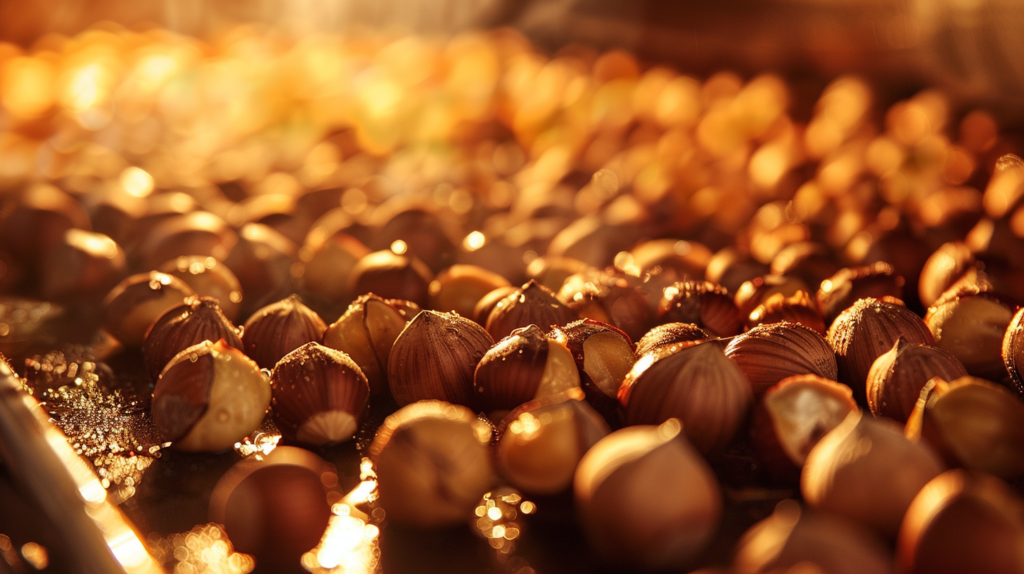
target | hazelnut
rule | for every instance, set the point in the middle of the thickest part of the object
(676, 259)
(392, 276)
(195, 233)
(542, 443)
(319, 395)
(962, 522)
(1013, 351)
(37, 220)
(730, 268)
(840, 291)
(867, 330)
(425, 234)
(758, 290)
(769, 353)
(435, 358)
(791, 418)
(866, 470)
(487, 303)
(280, 328)
(898, 375)
(328, 261)
(698, 385)
(681, 334)
(81, 267)
(531, 304)
(551, 272)
(703, 304)
(196, 320)
(949, 262)
(646, 498)
(262, 260)
(612, 299)
(138, 301)
(969, 321)
(209, 397)
(799, 308)
(432, 464)
(806, 260)
(795, 539)
(209, 278)
(971, 423)
(460, 287)
(603, 355)
(367, 331)
(274, 507)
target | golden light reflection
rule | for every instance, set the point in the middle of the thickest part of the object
(36, 555)
(399, 247)
(137, 182)
(203, 550)
(475, 240)
(350, 544)
(499, 518)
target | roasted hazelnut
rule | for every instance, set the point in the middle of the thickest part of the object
(195, 233)
(551, 272)
(681, 334)
(425, 233)
(209, 397)
(758, 290)
(435, 358)
(82, 266)
(840, 291)
(432, 464)
(543, 441)
(806, 260)
(703, 304)
(942, 269)
(970, 321)
(392, 276)
(897, 377)
(37, 220)
(262, 260)
(319, 395)
(603, 355)
(280, 328)
(698, 385)
(1013, 351)
(769, 353)
(593, 240)
(791, 418)
(646, 499)
(868, 330)
(730, 268)
(367, 331)
(328, 261)
(524, 366)
(531, 304)
(795, 540)
(678, 259)
(196, 320)
(209, 278)
(460, 287)
(138, 301)
(274, 506)
(971, 423)
(487, 303)
(866, 470)
(612, 299)
(274, 210)
(799, 308)
(962, 522)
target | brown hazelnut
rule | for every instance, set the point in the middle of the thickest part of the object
(524, 366)
(328, 261)
(970, 321)
(319, 395)
(460, 287)
(551, 272)
(367, 331)
(612, 299)
(432, 464)
(840, 291)
(603, 355)
(806, 260)
(866, 470)
(799, 308)
(37, 220)
(676, 258)
(646, 499)
(487, 303)
(274, 210)
(758, 290)
(542, 443)
(392, 276)
(274, 507)
(209, 278)
(196, 320)
(195, 233)
(962, 522)
(796, 540)
(703, 304)
(209, 397)
(435, 358)
(897, 377)
(82, 266)
(866, 331)
(1013, 351)
(681, 334)
(730, 268)
(424, 232)
(769, 353)
(262, 260)
(280, 328)
(698, 385)
(531, 304)
(971, 423)
(942, 269)
(138, 301)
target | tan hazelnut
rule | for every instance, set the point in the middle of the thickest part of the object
(209, 278)
(806, 260)
(37, 219)
(646, 499)
(435, 358)
(1013, 351)
(262, 260)
(319, 395)
(970, 321)
(681, 334)
(432, 464)
(703, 304)
(758, 290)
(280, 328)
(460, 287)
(194, 233)
(698, 385)
(897, 377)
(846, 286)
(531, 304)
(799, 308)
(487, 303)
(196, 320)
(367, 331)
(769, 353)
(209, 397)
(610, 298)
(83, 266)
(942, 269)
(138, 301)
(328, 260)
(551, 272)
(730, 268)
(603, 355)
(392, 276)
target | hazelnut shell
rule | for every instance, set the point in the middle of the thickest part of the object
(769, 353)
(280, 328)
